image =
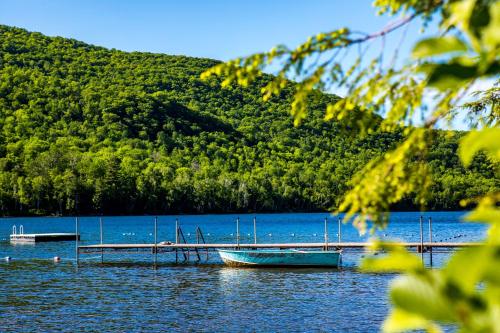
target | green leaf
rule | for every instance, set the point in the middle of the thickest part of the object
(421, 296)
(449, 76)
(490, 215)
(465, 270)
(402, 321)
(491, 34)
(398, 260)
(438, 45)
(487, 140)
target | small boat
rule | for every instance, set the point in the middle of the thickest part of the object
(280, 258)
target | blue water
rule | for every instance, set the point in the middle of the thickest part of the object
(127, 294)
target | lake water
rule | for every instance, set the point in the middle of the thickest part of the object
(126, 294)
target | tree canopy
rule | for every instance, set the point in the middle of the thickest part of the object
(84, 129)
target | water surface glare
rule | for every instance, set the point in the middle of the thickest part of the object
(126, 294)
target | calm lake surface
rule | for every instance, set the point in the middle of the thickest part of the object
(126, 294)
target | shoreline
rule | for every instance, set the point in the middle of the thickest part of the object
(222, 213)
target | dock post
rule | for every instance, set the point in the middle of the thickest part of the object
(176, 240)
(340, 230)
(430, 239)
(254, 230)
(238, 232)
(421, 238)
(77, 250)
(155, 248)
(100, 232)
(326, 234)
(176, 231)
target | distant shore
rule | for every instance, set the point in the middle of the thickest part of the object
(215, 213)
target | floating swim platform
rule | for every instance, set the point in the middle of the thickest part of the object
(21, 237)
(50, 237)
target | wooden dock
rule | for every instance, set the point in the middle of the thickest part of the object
(182, 248)
(194, 246)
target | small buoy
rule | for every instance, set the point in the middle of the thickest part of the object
(208, 234)
(248, 234)
(8, 259)
(293, 235)
(57, 259)
(230, 234)
(315, 235)
(189, 234)
(150, 234)
(270, 235)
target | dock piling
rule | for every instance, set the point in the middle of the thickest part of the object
(254, 230)
(156, 241)
(100, 233)
(77, 248)
(340, 229)
(421, 237)
(176, 240)
(326, 234)
(430, 240)
(238, 231)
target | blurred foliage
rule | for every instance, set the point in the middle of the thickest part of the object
(465, 292)
(437, 84)
(88, 130)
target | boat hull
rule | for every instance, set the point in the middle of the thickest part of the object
(280, 258)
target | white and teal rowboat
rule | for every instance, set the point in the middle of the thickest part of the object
(280, 258)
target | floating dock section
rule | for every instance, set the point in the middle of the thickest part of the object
(21, 237)
(35, 238)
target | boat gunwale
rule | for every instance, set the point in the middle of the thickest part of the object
(282, 251)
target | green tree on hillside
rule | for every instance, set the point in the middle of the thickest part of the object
(86, 130)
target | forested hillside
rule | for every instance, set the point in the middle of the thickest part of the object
(88, 130)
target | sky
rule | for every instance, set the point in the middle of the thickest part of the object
(219, 29)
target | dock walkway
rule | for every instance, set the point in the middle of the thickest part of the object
(194, 246)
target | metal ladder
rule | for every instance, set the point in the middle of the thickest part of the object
(185, 251)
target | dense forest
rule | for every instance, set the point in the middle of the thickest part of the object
(88, 130)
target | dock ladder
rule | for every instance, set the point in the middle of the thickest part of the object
(200, 239)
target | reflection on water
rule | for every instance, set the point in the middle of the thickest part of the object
(126, 294)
